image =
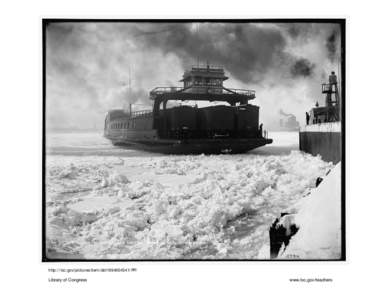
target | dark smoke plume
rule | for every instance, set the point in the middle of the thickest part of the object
(246, 50)
(332, 45)
(298, 30)
(302, 68)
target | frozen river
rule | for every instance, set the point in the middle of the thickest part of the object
(94, 144)
(108, 202)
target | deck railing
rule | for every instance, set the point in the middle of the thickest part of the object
(168, 89)
(327, 88)
(209, 88)
(239, 91)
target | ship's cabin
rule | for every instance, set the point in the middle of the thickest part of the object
(204, 79)
(323, 114)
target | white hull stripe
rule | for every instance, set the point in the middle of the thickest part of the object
(323, 127)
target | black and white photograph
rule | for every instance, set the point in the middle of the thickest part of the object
(193, 150)
(193, 140)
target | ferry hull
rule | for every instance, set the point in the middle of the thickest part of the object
(194, 146)
(324, 140)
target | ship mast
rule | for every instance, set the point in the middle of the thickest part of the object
(129, 92)
(340, 79)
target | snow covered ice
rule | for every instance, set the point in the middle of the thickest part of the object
(319, 220)
(104, 202)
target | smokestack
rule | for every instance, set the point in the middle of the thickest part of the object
(284, 114)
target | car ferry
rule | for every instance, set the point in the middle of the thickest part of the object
(230, 126)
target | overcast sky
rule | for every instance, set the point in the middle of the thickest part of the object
(88, 64)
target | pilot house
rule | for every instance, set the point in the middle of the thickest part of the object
(204, 80)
